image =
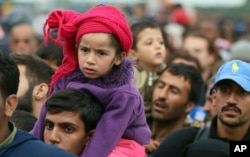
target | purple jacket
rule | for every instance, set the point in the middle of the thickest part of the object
(124, 109)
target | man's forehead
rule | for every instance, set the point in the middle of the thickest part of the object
(228, 82)
(175, 80)
(225, 81)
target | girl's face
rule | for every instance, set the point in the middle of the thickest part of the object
(150, 50)
(97, 55)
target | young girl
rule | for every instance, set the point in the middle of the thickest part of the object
(96, 43)
(150, 53)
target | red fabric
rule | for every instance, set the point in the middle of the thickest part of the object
(128, 148)
(180, 16)
(72, 25)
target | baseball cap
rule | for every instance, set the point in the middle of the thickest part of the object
(237, 71)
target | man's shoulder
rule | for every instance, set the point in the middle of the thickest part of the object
(187, 133)
(174, 143)
(40, 148)
(28, 145)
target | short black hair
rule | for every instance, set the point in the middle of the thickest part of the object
(51, 52)
(191, 74)
(37, 70)
(185, 56)
(23, 120)
(78, 101)
(9, 75)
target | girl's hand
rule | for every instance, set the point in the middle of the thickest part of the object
(152, 146)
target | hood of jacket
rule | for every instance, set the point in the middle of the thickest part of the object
(20, 138)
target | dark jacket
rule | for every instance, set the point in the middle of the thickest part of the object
(181, 140)
(26, 145)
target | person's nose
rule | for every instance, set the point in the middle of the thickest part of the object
(158, 45)
(163, 93)
(91, 59)
(54, 137)
(232, 98)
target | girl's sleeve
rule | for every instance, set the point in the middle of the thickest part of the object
(111, 126)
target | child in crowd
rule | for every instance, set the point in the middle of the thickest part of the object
(150, 52)
(95, 45)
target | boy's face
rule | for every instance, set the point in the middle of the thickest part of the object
(66, 130)
(150, 50)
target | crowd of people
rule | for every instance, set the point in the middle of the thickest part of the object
(102, 84)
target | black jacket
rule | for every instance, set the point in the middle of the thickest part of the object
(183, 140)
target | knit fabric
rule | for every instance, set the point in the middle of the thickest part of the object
(72, 26)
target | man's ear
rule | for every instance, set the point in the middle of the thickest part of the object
(90, 134)
(40, 91)
(213, 95)
(10, 104)
(189, 106)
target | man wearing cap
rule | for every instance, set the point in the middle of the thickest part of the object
(231, 98)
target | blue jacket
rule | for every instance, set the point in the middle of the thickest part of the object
(26, 145)
(124, 109)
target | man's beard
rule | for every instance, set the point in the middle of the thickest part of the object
(25, 101)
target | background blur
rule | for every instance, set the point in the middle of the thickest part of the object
(230, 8)
(233, 15)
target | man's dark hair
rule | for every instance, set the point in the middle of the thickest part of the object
(9, 75)
(23, 120)
(37, 70)
(184, 56)
(51, 52)
(191, 74)
(82, 102)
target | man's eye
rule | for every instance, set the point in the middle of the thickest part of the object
(174, 91)
(68, 130)
(225, 89)
(27, 41)
(49, 126)
(159, 84)
(243, 92)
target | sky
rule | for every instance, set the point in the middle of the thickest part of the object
(200, 3)
(212, 3)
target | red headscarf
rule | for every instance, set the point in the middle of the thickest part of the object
(72, 25)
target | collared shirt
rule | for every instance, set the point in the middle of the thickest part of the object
(213, 132)
(11, 137)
